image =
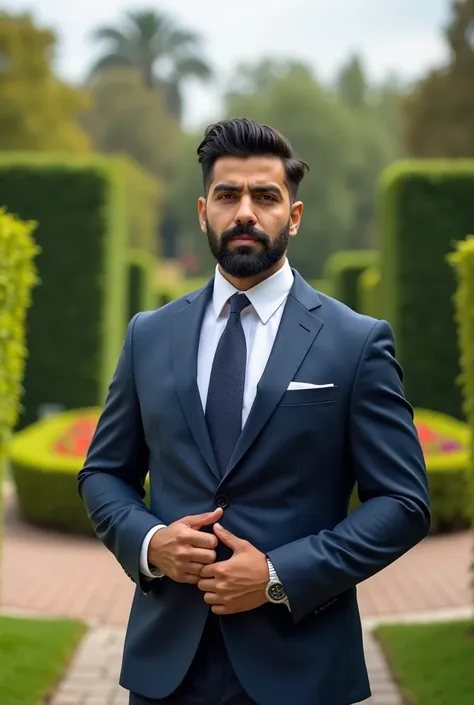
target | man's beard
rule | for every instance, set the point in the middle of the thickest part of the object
(245, 261)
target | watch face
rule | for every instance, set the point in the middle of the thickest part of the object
(276, 592)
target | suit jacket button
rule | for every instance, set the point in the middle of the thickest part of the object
(222, 501)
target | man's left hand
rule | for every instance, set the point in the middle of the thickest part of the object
(238, 584)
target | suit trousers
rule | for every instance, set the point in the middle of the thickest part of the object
(210, 679)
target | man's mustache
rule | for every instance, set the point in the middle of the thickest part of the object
(247, 230)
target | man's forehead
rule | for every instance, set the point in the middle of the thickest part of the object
(252, 170)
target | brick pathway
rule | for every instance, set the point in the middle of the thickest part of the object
(89, 584)
(93, 676)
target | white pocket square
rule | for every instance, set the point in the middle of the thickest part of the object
(307, 385)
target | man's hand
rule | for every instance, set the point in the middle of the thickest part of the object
(238, 584)
(181, 550)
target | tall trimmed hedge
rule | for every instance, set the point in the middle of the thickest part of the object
(77, 323)
(369, 293)
(18, 276)
(145, 198)
(463, 261)
(343, 270)
(322, 285)
(141, 275)
(17, 279)
(423, 208)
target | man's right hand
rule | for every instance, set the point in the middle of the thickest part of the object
(181, 549)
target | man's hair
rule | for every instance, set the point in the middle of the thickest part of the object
(241, 137)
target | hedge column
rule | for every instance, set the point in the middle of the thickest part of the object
(17, 278)
(77, 324)
(343, 270)
(423, 208)
(463, 261)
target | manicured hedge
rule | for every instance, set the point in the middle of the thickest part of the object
(17, 279)
(463, 261)
(18, 276)
(77, 323)
(47, 456)
(369, 294)
(145, 197)
(46, 478)
(141, 274)
(343, 269)
(323, 285)
(166, 292)
(423, 208)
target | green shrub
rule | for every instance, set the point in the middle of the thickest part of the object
(145, 197)
(17, 279)
(77, 324)
(463, 261)
(45, 459)
(446, 444)
(369, 294)
(322, 285)
(343, 269)
(46, 480)
(141, 274)
(164, 293)
(423, 208)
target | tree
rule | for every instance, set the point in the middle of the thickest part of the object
(126, 117)
(377, 141)
(439, 113)
(37, 111)
(165, 54)
(351, 83)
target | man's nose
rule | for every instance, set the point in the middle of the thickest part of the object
(245, 214)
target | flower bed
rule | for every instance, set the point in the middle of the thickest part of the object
(47, 456)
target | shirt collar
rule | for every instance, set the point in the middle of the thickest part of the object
(266, 297)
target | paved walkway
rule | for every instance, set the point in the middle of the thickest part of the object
(89, 584)
(93, 677)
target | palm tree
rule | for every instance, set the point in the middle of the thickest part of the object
(165, 54)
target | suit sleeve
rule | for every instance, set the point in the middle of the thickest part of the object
(111, 483)
(393, 487)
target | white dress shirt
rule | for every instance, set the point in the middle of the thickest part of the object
(260, 322)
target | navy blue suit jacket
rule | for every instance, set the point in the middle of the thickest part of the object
(286, 490)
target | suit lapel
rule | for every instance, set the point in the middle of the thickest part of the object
(186, 329)
(297, 331)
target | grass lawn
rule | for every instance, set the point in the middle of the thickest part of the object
(433, 663)
(34, 654)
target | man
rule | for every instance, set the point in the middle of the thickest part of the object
(254, 404)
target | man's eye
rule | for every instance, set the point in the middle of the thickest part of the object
(267, 197)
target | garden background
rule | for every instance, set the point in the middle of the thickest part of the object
(98, 184)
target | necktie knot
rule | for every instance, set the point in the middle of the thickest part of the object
(238, 302)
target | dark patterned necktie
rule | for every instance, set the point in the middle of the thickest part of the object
(226, 386)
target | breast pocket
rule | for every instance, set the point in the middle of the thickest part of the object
(298, 397)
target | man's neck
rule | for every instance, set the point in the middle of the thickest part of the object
(250, 282)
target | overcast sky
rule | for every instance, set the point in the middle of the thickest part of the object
(402, 36)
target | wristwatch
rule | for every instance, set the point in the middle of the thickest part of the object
(275, 592)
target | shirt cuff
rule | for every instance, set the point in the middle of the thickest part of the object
(144, 566)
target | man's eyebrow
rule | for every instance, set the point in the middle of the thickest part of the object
(260, 188)
(226, 187)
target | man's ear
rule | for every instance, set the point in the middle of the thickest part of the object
(202, 213)
(295, 217)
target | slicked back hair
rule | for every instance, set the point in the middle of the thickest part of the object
(241, 137)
